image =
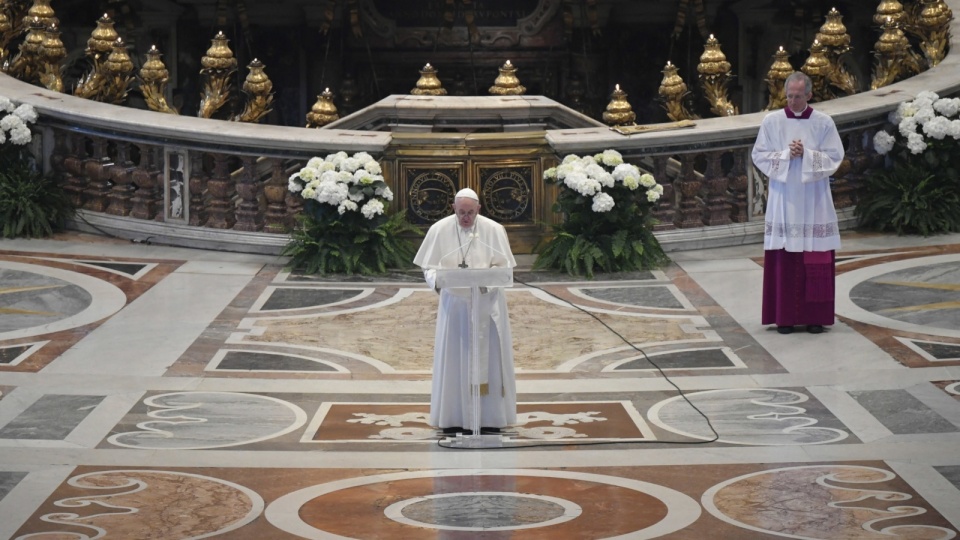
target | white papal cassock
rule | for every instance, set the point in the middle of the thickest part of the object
(447, 245)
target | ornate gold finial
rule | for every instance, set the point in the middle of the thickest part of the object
(28, 63)
(933, 28)
(52, 52)
(153, 82)
(102, 38)
(889, 9)
(323, 111)
(835, 40)
(672, 91)
(118, 69)
(833, 34)
(818, 68)
(777, 75)
(894, 58)
(428, 84)
(259, 91)
(217, 73)
(619, 112)
(714, 73)
(507, 83)
(41, 11)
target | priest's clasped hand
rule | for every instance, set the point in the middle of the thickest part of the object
(796, 148)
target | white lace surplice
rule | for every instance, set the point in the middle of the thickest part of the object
(800, 215)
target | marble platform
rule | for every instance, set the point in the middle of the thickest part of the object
(149, 391)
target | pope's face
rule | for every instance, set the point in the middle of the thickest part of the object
(797, 96)
(466, 210)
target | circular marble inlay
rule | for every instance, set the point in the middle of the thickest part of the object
(915, 295)
(499, 511)
(543, 503)
(37, 300)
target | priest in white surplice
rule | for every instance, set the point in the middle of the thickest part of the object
(799, 148)
(469, 240)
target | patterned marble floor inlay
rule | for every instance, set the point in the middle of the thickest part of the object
(902, 413)
(52, 417)
(284, 407)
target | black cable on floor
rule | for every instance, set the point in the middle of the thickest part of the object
(716, 436)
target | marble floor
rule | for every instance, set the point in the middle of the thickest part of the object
(158, 392)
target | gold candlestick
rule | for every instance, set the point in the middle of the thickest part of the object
(714, 73)
(52, 52)
(119, 74)
(217, 74)
(259, 91)
(818, 68)
(889, 10)
(835, 40)
(323, 111)
(672, 91)
(428, 84)
(153, 82)
(619, 112)
(777, 75)
(507, 83)
(933, 28)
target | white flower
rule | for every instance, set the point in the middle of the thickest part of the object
(658, 188)
(653, 195)
(631, 182)
(10, 122)
(883, 142)
(924, 114)
(915, 143)
(372, 208)
(908, 126)
(20, 135)
(947, 106)
(611, 158)
(384, 192)
(26, 113)
(550, 173)
(372, 167)
(350, 164)
(570, 159)
(954, 130)
(309, 193)
(6, 105)
(937, 127)
(602, 202)
(315, 163)
(363, 158)
(647, 181)
(347, 206)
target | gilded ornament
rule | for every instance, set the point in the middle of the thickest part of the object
(619, 112)
(428, 84)
(777, 75)
(507, 83)
(217, 74)
(933, 27)
(714, 70)
(153, 82)
(818, 68)
(52, 52)
(102, 38)
(41, 11)
(672, 92)
(835, 40)
(259, 91)
(323, 111)
(889, 9)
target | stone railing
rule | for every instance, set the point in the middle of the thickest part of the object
(222, 185)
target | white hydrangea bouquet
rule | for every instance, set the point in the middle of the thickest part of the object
(607, 216)
(345, 227)
(926, 122)
(917, 192)
(15, 124)
(32, 205)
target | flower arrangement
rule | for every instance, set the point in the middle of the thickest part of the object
(31, 204)
(919, 192)
(606, 204)
(344, 227)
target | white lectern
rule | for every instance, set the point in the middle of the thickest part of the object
(474, 279)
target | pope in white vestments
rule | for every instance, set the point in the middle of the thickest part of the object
(799, 149)
(469, 240)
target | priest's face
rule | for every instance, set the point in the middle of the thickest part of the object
(797, 96)
(466, 210)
